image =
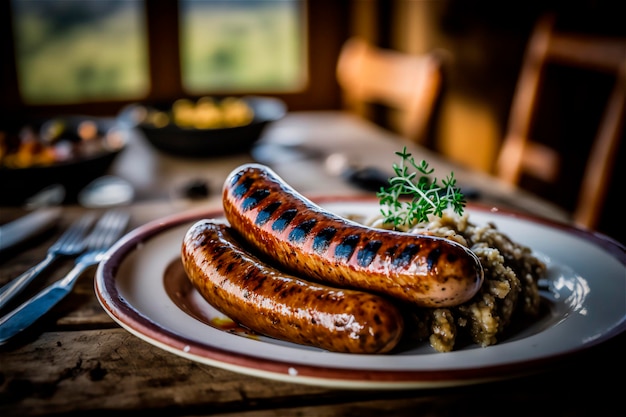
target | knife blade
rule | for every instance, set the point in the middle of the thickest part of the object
(28, 226)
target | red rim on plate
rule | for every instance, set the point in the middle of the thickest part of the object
(119, 280)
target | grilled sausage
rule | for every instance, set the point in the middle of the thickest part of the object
(312, 242)
(282, 306)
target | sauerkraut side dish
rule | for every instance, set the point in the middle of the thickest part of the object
(508, 298)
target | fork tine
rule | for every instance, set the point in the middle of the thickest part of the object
(108, 229)
(72, 238)
(72, 242)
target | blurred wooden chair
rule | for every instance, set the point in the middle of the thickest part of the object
(408, 85)
(521, 155)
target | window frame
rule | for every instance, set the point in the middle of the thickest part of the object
(326, 31)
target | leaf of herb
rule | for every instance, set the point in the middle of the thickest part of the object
(410, 199)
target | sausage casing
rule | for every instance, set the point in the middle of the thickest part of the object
(270, 302)
(427, 271)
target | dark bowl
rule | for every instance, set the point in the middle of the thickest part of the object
(18, 184)
(205, 142)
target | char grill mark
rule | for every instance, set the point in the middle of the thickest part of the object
(433, 258)
(230, 266)
(220, 255)
(266, 213)
(254, 199)
(406, 255)
(345, 249)
(451, 257)
(283, 220)
(259, 281)
(301, 231)
(366, 255)
(284, 291)
(322, 240)
(390, 252)
(240, 189)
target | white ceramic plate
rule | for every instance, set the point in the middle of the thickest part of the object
(142, 287)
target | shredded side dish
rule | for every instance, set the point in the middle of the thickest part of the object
(509, 295)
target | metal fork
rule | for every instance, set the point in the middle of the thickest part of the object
(71, 243)
(108, 229)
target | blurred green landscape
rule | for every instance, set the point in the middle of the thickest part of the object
(77, 51)
(251, 45)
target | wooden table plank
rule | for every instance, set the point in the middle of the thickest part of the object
(111, 370)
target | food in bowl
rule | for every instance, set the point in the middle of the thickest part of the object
(205, 127)
(205, 113)
(55, 141)
(69, 151)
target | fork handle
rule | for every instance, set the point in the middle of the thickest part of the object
(14, 287)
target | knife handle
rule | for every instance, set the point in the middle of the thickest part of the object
(27, 226)
(34, 308)
(14, 287)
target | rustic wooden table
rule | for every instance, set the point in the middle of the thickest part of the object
(77, 361)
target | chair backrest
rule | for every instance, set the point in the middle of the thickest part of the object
(408, 84)
(521, 155)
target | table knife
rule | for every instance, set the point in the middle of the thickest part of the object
(28, 226)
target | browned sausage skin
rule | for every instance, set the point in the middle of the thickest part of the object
(424, 270)
(282, 306)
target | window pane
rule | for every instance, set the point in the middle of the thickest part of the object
(240, 45)
(71, 51)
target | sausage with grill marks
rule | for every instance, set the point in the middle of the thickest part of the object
(427, 271)
(282, 306)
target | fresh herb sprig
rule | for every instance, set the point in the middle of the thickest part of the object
(410, 198)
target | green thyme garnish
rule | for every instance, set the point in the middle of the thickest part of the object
(410, 199)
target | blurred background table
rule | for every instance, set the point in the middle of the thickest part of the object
(310, 150)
